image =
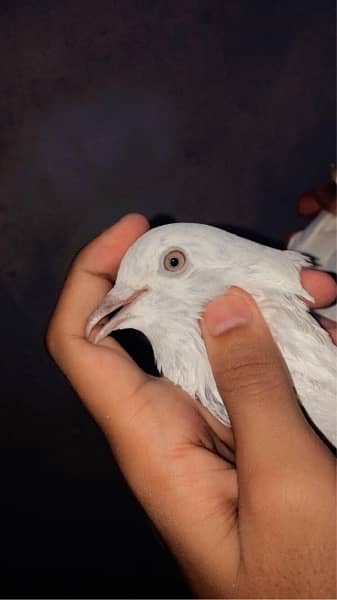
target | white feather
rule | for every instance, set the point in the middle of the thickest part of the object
(168, 312)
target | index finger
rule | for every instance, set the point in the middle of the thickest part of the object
(320, 285)
(91, 275)
(101, 376)
(321, 197)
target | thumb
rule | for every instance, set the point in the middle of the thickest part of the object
(252, 379)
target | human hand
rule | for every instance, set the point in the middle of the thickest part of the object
(262, 528)
(310, 204)
(322, 197)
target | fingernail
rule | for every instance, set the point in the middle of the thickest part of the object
(226, 312)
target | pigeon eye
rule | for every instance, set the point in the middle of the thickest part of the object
(174, 260)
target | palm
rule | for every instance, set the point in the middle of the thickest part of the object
(162, 418)
(161, 406)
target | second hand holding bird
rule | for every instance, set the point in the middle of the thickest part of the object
(218, 519)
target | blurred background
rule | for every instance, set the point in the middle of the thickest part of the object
(210, 111)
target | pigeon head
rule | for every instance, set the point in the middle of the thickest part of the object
(169, 274)
(163, 281)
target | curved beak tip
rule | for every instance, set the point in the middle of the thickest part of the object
(115, 299)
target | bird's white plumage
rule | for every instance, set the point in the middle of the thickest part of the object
(166, 307)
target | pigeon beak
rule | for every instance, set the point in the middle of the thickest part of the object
(120, 296)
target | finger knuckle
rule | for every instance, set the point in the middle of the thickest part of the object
(80, 257)
(249, 374)
(274, 493)
(50, 339)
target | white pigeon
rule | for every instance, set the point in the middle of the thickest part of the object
(170, 273)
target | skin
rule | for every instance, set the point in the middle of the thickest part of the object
(321, 197)
(310, 203)
(263, 527)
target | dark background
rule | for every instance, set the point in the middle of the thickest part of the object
(211, 111)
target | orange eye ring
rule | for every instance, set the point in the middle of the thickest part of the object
(174, 261)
